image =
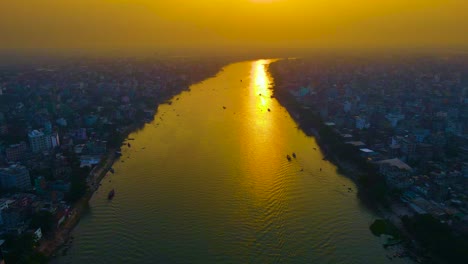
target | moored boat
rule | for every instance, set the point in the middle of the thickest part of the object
(111, 194)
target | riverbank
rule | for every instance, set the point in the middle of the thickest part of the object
(61, 237)
(173, 172)
(49, 247)
(345, 158)
(371, 186)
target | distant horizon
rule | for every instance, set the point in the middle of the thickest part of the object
(19, 56)
(223, 27)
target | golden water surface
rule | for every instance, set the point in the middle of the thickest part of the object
(208, 182)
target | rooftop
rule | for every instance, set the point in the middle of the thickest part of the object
(35, 133)
(366, 150)
(396, 163)
(356, 143)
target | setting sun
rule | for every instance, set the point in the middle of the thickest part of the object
(222, 25)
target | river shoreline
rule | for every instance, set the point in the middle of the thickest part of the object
(350, 170)
(61, 237)
(50, 247)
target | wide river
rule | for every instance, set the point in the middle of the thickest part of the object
(208, 182)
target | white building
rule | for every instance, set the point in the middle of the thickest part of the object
(39, 141)
(54, 140)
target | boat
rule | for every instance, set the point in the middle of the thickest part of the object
(269, 110)
(129, 145)
(294, 155)
(111, 194)
(111, 170)
(288, 157)
(118, 153)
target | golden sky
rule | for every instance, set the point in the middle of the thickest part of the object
(148, 25)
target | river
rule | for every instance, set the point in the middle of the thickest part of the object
(208, 182)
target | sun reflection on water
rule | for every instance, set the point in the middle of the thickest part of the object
(261, 83)
(259, 137)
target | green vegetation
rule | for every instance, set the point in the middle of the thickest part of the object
(43, 220)
(22, 250)
(77, 180)
(437, 238)
(46, 173)
(384, 227)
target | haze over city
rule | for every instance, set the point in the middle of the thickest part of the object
(225, 26)
(234, 131)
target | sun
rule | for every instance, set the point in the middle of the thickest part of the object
(264, 1)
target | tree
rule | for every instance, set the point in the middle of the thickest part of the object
(43, 220)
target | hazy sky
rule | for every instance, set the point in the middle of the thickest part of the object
(148, 25)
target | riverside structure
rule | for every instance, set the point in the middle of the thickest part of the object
(208, 182)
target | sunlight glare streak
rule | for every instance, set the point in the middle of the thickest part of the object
(261, 83)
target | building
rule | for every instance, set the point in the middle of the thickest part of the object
(408, 148)
(15, 176)
(54, 140)
(394, 118)
(3, 129)
(361, 123)
(16, 152)
(396, 173)
(12, 217)
(39, 141)
(2, 261)
(4, 203)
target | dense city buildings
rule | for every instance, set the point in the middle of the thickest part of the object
(59, 120)
(406, 119)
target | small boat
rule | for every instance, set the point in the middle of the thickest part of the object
(294, 155)
(288, 157)
(111, 194)
(128, 144)
(111, 170)
(224, 107)
(269, 110)
(118, 153)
